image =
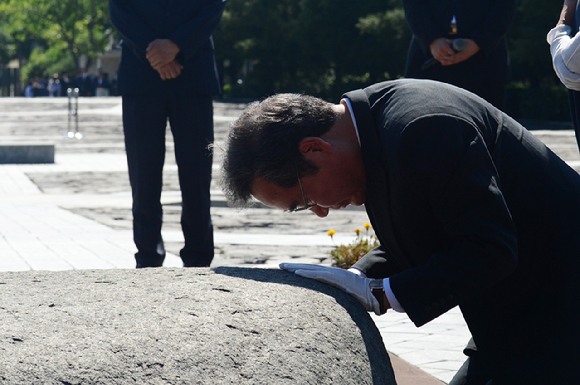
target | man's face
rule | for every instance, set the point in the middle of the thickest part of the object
(327, 189)
(339, 182)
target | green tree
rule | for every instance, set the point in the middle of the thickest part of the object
(535, 91)
(43, 62)
(325, 47)
(75, 27)
(14, 42)
(388, 36)
(7, 47)
(320, 47)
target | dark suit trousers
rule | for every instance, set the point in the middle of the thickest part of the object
(191, 119)
(574, 98)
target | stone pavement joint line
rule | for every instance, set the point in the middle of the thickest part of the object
(38, 230)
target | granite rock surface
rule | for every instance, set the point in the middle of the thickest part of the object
(228, 325)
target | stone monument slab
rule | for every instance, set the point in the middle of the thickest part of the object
(228, 325)
(25, 153)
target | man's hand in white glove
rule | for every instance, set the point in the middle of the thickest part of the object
(342, 279)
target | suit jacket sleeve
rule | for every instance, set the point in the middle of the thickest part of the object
(136, 34)
(190, 36)
(422, 22)
(495, 25)
(377, 264)
(445, 165)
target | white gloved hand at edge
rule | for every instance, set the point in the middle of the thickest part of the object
(342, 279)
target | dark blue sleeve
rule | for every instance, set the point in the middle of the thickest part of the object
(191, 35)
(446, 163)
(495, 25)
(136, 34)
(421, 22)
(377, 263)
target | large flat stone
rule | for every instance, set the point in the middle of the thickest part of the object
(25, 153)
(184, 326)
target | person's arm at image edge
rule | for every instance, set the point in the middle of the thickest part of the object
(564, 47)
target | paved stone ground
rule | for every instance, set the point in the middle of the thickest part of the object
(75, 214)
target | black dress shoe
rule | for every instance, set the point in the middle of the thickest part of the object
(196, 264)
(195, 260)
(142, 265)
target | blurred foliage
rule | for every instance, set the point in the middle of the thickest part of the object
(535, 91)
(45, 62)
(529, 51)
(328, 47)
(319, 47)
(40, 31)
(7, 47)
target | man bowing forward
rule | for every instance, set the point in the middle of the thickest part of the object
(471, 210)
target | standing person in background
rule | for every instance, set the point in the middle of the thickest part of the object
(101, 84)
(168, 71)
(38, 88)
(84, 83)
(28, 90)
(479, 61)
(564, 42)
(65, 84)
(113, 86)
(54, 86)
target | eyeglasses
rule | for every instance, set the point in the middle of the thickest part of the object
(306, 205)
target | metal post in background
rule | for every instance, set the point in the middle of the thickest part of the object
(73, 113)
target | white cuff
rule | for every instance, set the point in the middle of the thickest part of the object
(357, 272)
(395, 305)
(559, 30)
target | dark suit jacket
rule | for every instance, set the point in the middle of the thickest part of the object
(485, 21)
(85, 85)
(472, 210)
(189, 24)
(100, 83)
(574, 96)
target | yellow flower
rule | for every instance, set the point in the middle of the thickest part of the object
(357, 231)
(367, 225)
(331, 233)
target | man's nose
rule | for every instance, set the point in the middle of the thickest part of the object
(320, 211)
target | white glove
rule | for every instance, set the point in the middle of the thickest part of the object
(565, 52)
(342, 279)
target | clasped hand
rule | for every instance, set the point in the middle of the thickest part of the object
(342, 279)
(441, 50)
(161, 55)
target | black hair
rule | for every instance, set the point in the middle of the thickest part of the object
(264, 143)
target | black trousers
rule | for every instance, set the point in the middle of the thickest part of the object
(473, 371)
(191, 120)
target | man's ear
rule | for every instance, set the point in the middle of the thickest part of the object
(313, 146)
